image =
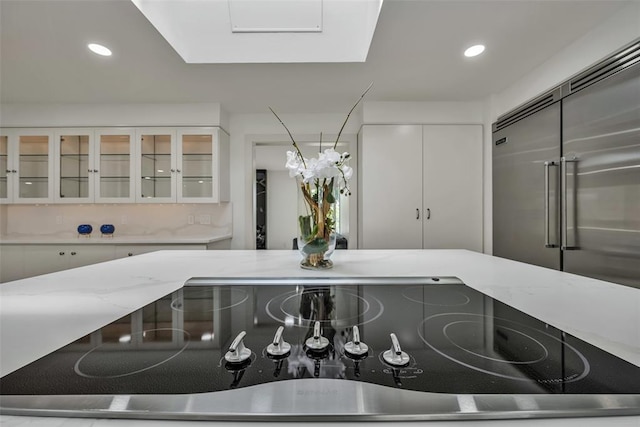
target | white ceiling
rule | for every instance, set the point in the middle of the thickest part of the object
(415, 55)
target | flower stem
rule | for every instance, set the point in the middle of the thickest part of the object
(348, 115)
(291, 136)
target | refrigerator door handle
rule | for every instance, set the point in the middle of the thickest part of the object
(565, 246)
(547, 238)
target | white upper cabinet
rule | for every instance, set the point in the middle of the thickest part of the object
(26, 158)
(114, 165)
(94, 165)
(187, 165)
(156, 165)
(5, 165)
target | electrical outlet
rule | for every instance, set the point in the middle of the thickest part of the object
(123, 219)
(190, 220)
(204, 219)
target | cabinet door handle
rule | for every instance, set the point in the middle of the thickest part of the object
(89, 170)
(173, 170)
(428, 213)
(178, 170)
(8, 171)
(14, 171)
(73, 253)
(565, 244)
(95, 170)
(130, 254)
(60, 253)
(417, 213)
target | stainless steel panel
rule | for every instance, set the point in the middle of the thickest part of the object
(519, 189)
(601, 129)
(322, 399)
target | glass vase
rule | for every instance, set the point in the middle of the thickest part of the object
(316, 223)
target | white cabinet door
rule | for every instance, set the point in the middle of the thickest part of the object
(123, 251)
(156, 175)
(43, 259)
(187, 165)
(390, 187)
(11, 262)
(202, 165)
(81, 255)
(452, 187)
(114, 165)
(31, 162)
(6, 167)
(74, 166)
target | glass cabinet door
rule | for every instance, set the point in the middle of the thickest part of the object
(157, 165)
(74, 168)
(4, 167)
(34, 166)
(196, 172)
(114, 165)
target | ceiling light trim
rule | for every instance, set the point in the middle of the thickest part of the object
(99, 49)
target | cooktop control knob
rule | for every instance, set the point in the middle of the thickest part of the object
(238, 353)
(317, 342)
(356, 347)
(395, 356)
(279, 347)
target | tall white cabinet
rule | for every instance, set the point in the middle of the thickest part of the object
(420, 186)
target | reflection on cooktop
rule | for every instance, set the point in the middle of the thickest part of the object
(423, 335)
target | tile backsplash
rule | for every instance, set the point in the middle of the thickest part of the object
(129, 219)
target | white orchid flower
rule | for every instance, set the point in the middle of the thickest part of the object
(347, 172)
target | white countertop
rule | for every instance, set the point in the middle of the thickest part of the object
(97, 239)
(40, 314)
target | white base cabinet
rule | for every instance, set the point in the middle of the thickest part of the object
(123, 251)
(29, 260)
(420, 186)
(11, 263)
(43, 259)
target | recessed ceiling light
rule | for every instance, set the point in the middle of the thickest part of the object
(474, 50)
(99, 49)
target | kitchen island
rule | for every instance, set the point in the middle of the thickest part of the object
(44, 313)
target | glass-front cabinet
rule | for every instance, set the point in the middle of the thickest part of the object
(94, 165)
(114, 165)
(156, 159)
(5, 172)
(27, 168)
(182, 165)
(115, 153)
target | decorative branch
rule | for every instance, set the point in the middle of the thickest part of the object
(290, 136)
(349, 115)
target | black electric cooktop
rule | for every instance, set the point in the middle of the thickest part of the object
(449, 339)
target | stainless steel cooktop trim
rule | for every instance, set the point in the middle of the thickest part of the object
(340, 400)
(320, 281)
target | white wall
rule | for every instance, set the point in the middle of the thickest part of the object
(130, 220)
(422, 113)
(70, 115)
(619, 30)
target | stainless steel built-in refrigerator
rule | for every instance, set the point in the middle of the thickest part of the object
(566, 175)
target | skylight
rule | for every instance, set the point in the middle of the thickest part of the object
(265, 31)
